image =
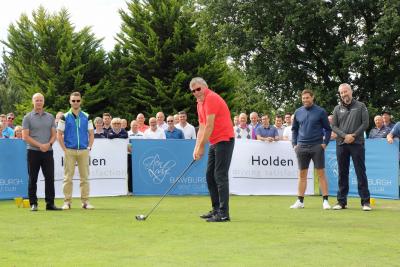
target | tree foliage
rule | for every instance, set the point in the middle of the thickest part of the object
(157, 54)
(9, 95)
(46, 54)
(287, 45)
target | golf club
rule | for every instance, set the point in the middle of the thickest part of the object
(142, 217)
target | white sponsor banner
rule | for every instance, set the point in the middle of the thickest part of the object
(261, 168)
(108, 170)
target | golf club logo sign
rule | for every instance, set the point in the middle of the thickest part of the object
(157, 169)
(333, 167)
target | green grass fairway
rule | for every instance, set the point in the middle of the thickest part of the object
(263, 232)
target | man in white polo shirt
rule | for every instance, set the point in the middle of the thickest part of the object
(154, 132)
(160, 118)
(188, 130)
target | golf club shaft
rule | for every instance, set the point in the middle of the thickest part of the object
(170, 188)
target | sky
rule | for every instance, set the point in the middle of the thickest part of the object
(101, 15)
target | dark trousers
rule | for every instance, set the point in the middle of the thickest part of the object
(357, 153)
(44, 160)
(130, 173)
(219, 160)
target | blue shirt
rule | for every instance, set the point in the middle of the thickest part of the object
(99, 135)
(8, 132)
(379, 133)
(106, 131)
(122, 134)
(308, 125)
(390, 126)
(269, 131)
(396, 130)
(175, 134)
(253, 130)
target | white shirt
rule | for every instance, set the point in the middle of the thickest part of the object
(163, 126)
(188, 131)
(158, 134)
(287, 132)
(138, 135)
(61, 125)
(280, 131)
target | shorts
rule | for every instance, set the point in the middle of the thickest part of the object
(306, 153)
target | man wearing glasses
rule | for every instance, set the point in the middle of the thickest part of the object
(154, 132)
(7, 131)
(75, 135)
(172, 132)
(10, 120)
(215, 126)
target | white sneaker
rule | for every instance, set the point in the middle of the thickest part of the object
(66, 206)
(338, 206)
(297, 205)
(87, 206)
(325, 205)
(366, 207)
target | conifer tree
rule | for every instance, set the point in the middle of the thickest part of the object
(46, 54)
(157, 54)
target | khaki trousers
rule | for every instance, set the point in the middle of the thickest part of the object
(81, 157)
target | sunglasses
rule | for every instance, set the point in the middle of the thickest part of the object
(170, 121)
(75, 101)
(10, 119)
(195, 90)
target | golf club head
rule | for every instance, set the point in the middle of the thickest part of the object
(140, 217)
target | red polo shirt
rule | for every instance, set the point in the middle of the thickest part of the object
(143, 128)
(214, 104)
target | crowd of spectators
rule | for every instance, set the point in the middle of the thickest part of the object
(7, 127)
(262, 129)
(177, 127)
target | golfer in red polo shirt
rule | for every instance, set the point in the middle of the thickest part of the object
(215, 126)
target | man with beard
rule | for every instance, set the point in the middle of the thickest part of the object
(350, 120)
(309, 122)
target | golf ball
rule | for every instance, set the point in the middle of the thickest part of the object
(141, 217)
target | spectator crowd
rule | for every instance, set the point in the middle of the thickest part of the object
(281, 129)
(177, 127)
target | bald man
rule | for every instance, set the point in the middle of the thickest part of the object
(350, 120)
(160, 117)
(39, 132)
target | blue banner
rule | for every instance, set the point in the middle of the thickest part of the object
(13, 169)
(382, 163)
(156, 164)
